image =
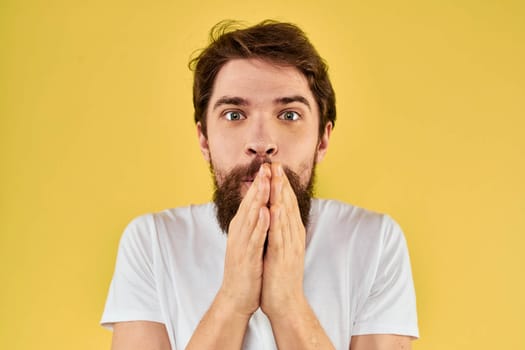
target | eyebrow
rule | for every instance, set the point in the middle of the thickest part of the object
(290, 99)
(228, 100)
(239, 101)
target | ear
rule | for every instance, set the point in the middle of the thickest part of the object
(322, 146)
(203, 142)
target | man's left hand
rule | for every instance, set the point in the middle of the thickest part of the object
(282, 289)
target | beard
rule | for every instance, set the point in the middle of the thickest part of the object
(227, 196)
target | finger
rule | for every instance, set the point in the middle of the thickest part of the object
(256, 197)
(256, 243)
(276, 183)
(275, 238)
(286, 224)
(295, 228)
(256, 190)
(261, 197)
(288, 196)
(280, 187)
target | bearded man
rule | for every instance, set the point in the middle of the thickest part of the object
(264, 266)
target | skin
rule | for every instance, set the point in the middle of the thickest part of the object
(247, 117)
(258, 109)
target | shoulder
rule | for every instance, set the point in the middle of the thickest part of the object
(337, 209)
(186, 222)
(353, 221)
(186, 214)
(146, 227)
(341, 213)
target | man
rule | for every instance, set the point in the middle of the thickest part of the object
(264, 266)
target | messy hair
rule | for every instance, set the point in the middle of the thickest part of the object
(277, 42)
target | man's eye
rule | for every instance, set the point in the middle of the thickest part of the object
(233, 115)
(289, 115)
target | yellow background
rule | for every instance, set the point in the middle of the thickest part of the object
(96, 128)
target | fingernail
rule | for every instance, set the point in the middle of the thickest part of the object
(280, 170)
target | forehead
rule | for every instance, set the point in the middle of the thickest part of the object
(259, 80)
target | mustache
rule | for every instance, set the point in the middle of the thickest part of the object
(227, 194)
(250, 170)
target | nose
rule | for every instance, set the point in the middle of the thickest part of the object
(260, 140)
(261, 148)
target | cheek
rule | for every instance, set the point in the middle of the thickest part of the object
(222, 149)
(303, 140)
(222, 161)
(304, 169)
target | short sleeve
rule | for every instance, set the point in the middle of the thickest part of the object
(133, 294)
(390, 307)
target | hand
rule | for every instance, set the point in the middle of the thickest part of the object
(284, 260)
(243, 266)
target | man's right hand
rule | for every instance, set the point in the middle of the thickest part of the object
(225, 323)
(243, 266)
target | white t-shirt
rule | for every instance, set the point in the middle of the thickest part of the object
(357, 275)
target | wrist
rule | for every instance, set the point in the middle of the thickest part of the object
(221, 327)
(293, 309)
(225, 304)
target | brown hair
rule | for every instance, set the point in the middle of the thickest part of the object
(277, 42)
